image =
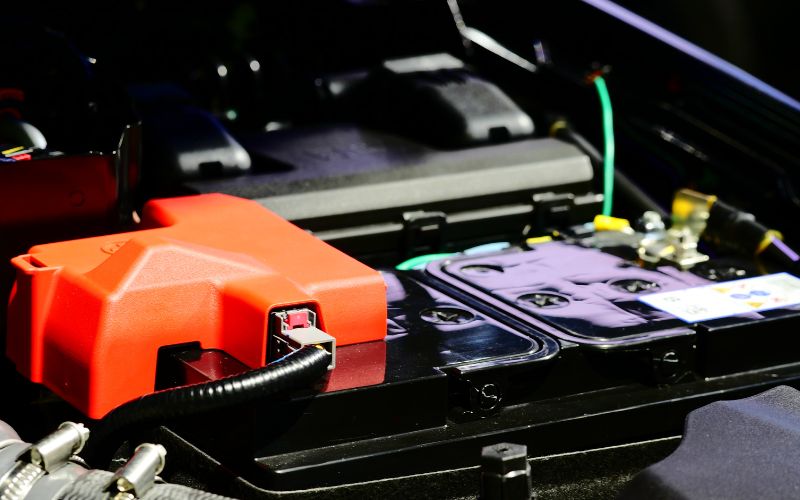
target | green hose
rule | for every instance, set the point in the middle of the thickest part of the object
(608, 144)
(420, 261)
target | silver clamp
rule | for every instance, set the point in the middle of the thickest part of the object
(47, 455)
(19, 481)
(138, 475)
(55, 449)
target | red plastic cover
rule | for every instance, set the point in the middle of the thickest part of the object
(87, 317)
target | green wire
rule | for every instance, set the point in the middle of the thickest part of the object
(608, 173)
(608, 144)
(421, 260)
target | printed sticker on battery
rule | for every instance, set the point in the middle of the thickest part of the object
(730, 298)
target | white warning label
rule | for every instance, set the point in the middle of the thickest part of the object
(730, 298)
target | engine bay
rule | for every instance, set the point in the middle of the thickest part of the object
(428, 249)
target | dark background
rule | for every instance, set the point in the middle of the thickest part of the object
(146, 36)
(759, 36)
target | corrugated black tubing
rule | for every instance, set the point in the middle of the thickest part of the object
(301, 368)
(94, 486)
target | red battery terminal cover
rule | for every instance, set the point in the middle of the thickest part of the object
(87, 317)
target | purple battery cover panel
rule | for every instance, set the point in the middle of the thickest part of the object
(592, 297)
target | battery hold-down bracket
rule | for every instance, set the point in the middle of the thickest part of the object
(87, 317)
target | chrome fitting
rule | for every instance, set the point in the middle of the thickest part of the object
(139, 473)
(55, 449)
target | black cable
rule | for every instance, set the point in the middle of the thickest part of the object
(301, 368)
(624, 184)
(735, 230)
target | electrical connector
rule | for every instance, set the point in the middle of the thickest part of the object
(294, 329)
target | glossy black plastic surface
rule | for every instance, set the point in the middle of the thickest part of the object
(439, 356)
(591, 296)
(428, 329)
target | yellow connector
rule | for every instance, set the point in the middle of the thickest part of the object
(608, 223)
(688, 203)
(537, 240)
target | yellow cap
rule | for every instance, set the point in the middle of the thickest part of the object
(538, 239)
(767, 240)
(608, 223)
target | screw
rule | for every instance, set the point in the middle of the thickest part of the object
(544, 300)
(446, 316)
(635, 285)
(482, 269)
